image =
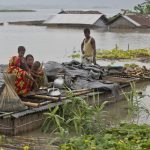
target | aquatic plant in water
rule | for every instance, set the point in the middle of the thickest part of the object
(123, 54)
(135, 104)
(73, 116)
(124, 137)
(119, 54)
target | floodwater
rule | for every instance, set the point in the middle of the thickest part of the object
(58, 43)
(118, 112)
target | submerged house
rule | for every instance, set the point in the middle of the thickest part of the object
(78, 19)
(130, 21)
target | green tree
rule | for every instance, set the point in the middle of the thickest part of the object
(143, 8)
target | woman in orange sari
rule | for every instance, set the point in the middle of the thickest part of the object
(18, 67)
(18, 61)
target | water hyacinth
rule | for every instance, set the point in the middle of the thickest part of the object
(118, 54)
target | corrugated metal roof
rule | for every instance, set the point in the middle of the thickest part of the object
(79, 12)
(88, 19)
(132, 21)
(142, 19)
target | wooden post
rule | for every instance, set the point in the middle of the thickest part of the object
(128, 46)
(116, 46)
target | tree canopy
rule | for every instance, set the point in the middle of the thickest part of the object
(143, 8)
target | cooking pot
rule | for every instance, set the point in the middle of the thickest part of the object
(59, 82)
(53, 92)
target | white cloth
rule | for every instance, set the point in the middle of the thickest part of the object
(87, 60)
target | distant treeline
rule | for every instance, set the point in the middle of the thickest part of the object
(16, 10)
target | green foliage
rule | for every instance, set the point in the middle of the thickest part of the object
(122, 54)
(74, 115)
(131, 65)
(77, 116)
(119, 54)
(76, 55)
(124, 137)
(52, 118)
(143, 8)
(135, 103)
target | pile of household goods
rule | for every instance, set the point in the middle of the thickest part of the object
(139, 72)
(79, 76)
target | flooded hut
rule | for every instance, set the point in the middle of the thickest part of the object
(130, 21)
(77, 19)
(32, 22)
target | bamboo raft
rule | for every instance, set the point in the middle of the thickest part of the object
(14, 123)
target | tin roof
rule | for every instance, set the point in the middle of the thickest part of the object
(139, 19)
(79, 12)
(132, 21)
(88, 19)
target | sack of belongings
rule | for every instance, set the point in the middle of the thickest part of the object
(9, 100)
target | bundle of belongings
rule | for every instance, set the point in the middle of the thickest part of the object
(79, 76)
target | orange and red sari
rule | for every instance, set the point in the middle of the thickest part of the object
(22, 84)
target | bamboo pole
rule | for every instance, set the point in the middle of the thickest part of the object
(46, 97)
(31, 104)
(80, 90)
(83, 92)
(128, 46)
(78, 93)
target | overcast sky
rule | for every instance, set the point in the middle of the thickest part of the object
(69, 3)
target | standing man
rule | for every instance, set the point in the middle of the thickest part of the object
(88, 48)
